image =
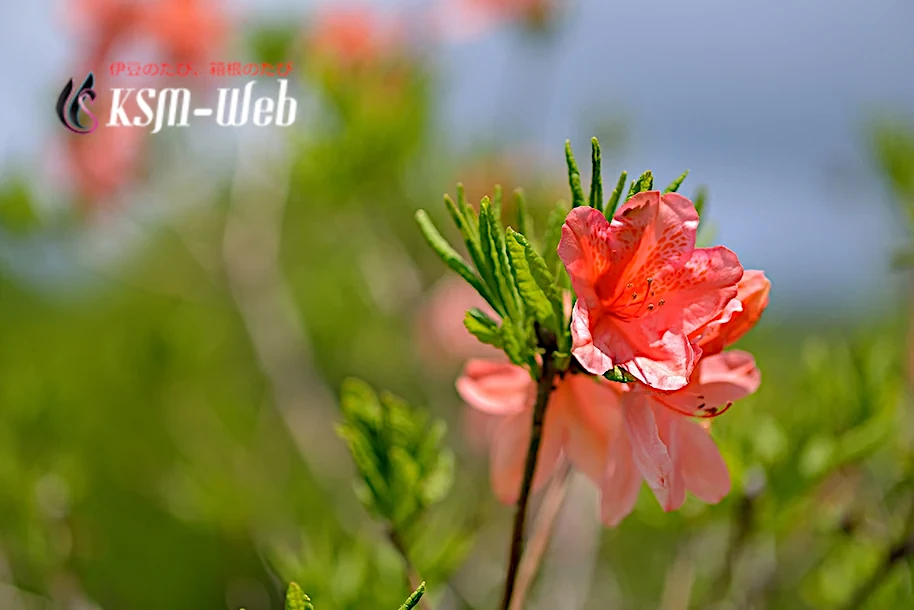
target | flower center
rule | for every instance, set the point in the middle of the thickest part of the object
(637, 300)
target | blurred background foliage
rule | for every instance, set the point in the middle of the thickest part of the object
(168, 408)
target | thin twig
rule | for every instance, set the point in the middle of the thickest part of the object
(544, 390)
(539, 542)
(412, 576)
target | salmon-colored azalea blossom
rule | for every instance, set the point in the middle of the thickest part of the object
(661, 443)
(576, 423)
(659, 439)
(643, 288)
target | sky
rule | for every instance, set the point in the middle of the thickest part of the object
(766, 103)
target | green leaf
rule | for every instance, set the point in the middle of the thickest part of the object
(398, 453)
(675, 184)
(523, 214)
(645, 182)
(619, 375)
(493, 244)
(596, 178)
(296, 598)
(496, 204)
(450, 257)
(554, 235)
(516, 343)
(532, 289)
(413, 599)
(574, 177)
(468, 223)
(701, 200)
(616, 195)
(483, 327)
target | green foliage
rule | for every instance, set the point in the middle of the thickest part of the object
(297, 600)
(616, 196)
(483, 328)
(596, 179)
(701, 200)
(645, 182)
(553, 236)
(675, 184)
(413, 599)
(574, 177)
(398, 452)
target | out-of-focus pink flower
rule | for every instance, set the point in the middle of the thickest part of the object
(185, 31)
(577, 424)
(188, 31)
(97, 166)
(441, 337)
(459, 20)
(353, 36)
(663, 445)
(643, 288)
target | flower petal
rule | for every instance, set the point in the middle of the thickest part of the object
(649, 452)
(592, 413)
(663, 363)
(728, 377)
(499, 388)
(621, 483)
(740, 315)
(593, 358)
(509, 455)
(699, 292)
(718, 381)
(701, 463)
(585, 249)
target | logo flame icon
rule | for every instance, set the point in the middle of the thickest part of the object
(69, 113)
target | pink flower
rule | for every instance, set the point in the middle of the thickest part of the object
(643, 288)
(662, 444)
(353, 36)
(185, 31)
(660, 441)
(441, 337)
(577, 423)
(740, 315)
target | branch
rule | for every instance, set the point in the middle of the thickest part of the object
(544, 390)
(412, 576)
(545, 523)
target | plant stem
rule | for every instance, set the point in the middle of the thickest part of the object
(412, 576)
(545, 386)
(545, 522)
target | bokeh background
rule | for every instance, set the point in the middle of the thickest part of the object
(178, 310)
